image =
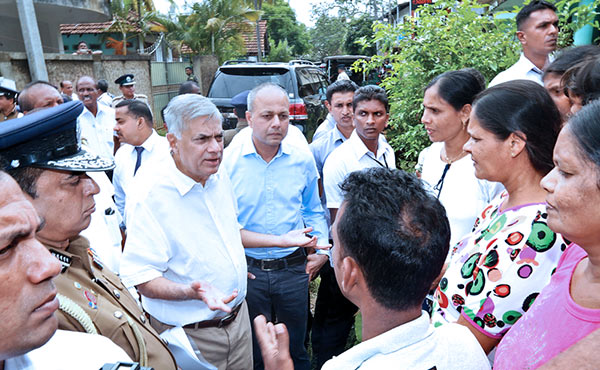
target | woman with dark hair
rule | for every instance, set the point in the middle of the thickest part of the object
(444, 165)
(582, 82)
(495, 273)
(569, 307)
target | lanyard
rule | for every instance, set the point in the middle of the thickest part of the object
(378, 162)
(440, 183)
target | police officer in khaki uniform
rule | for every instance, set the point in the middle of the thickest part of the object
(127, 86)
(42, 153)
(8, 100)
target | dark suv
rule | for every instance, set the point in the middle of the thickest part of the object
(305, 83)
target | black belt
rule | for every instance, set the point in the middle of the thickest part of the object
(274, 264)
(216, 323)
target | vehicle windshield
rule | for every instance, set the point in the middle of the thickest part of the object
(232, 81)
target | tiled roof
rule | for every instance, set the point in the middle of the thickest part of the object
(82, 28)
(250, 38)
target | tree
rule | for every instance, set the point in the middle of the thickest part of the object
(327, 36)
(281, 52)
(282, 25)
(359, 28)
(445, 36)
(213, 27)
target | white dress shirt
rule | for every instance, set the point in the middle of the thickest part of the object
(415, 345)
(97, 132)
(523, 69)
(104, 233)
(69, 350)
(156, 148)
(352, 155)
(184, 232)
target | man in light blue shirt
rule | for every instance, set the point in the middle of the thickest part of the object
(334, 314)
(276, 185)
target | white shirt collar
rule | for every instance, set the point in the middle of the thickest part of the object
(184, 184)
(360, 149)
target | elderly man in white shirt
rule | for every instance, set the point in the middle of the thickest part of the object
(184, 245)
(537, 30)
(141, 147)
(365, 148)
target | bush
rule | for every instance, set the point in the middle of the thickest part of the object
(445, 36)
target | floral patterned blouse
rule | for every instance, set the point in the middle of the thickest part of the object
(496, 272)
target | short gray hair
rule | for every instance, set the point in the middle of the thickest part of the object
(187, 107)
(257, 89)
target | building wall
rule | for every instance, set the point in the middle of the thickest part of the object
(71, 67)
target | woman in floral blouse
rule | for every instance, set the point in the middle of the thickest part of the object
(497, 270)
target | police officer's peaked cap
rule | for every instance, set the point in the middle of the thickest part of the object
(8, 88)
(240, 101)
(125, 80)
(48, 139)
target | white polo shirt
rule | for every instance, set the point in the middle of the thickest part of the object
(352, 155)
(184, 232)
(415, 345)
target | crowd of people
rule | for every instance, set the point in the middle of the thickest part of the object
(195, 250)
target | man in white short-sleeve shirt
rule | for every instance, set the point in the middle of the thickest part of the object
(387, 224)
(184, 250)
(365, 148)
(537, 31)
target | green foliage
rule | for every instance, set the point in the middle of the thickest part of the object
(327, 36)
(281, 52)
(438, 40)
(359, 28)
(282, 25)
(573, 17)
(213, 27)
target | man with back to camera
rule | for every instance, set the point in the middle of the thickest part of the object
(275, 183)
(240, 106)
(46, 160)
(537, 31)
(142, 147)
(366, 146)
(334, 314)
(390, 241)
(29, 337)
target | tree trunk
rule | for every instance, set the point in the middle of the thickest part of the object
(258, 40)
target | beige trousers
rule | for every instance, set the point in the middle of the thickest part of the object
(227, 348)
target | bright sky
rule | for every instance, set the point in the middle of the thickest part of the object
(302, 8)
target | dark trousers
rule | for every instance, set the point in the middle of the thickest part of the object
(334, 316)
(282, 297)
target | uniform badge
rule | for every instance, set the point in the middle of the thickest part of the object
(64, 260)
(91, 298)
(92, 253)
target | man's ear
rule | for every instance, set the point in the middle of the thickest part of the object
(522, 37)
(327, 105)
(351, 276)
(249, 119)
(172, 142)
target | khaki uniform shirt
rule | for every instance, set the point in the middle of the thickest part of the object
(114, 312)
(120, 98)
(11, 115)
(229, 134)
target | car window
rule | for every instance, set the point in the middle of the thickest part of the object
(232, 81)
(310, 82)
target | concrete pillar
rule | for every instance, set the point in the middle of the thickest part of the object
(32, 40)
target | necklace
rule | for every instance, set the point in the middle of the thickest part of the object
(454, 159)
